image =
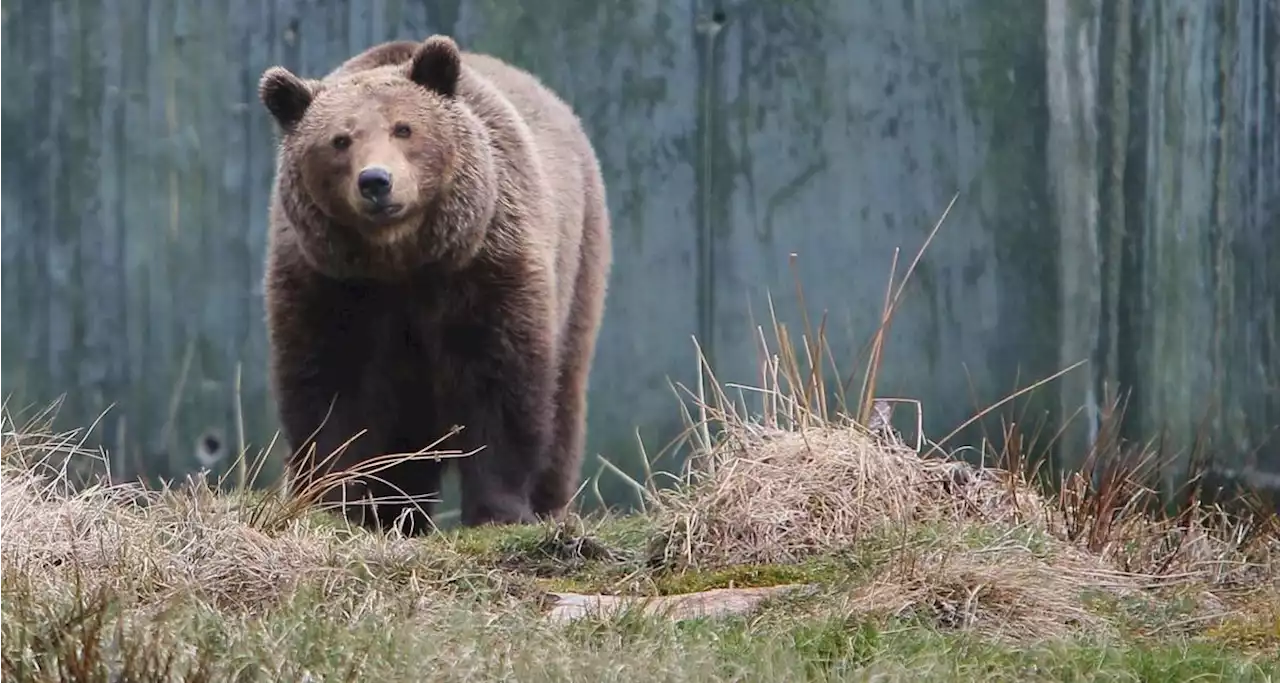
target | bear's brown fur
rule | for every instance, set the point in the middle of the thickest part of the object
(438, 255)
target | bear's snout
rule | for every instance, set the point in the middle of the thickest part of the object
(375, 184)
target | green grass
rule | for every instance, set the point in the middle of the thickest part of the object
(391, 634)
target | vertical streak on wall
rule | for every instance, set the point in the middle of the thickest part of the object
(59, 325)
(1115, 119)
(707, 29)
(1249, 178)
(1071, 36)
(1225, 229)
(1180, 229)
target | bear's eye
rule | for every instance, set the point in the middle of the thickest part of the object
(402, 130)
(341, 141)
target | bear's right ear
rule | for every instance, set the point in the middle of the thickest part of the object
(437, 65)
(285, 95)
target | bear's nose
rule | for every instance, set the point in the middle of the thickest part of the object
(374, 183)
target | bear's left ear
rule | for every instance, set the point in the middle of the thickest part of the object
(437, 65)
(285, 95)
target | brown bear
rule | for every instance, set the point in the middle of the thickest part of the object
(438, 255)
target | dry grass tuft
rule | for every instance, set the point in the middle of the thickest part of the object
(771, 496)
(1005, 593)
(801, 477)
(151, 548)
(1110, 507)
(180, 545)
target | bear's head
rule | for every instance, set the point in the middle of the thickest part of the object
(383, 170)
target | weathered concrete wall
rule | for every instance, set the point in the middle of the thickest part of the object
(1167, 172)
(1117, 164)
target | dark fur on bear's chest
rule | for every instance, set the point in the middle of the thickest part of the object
(404, 362)
(433, 317)
(431, 337)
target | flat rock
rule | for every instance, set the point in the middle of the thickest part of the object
(712, 603)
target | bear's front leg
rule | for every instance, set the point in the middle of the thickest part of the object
(507, 409)
(332, 413)
(327, 433)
